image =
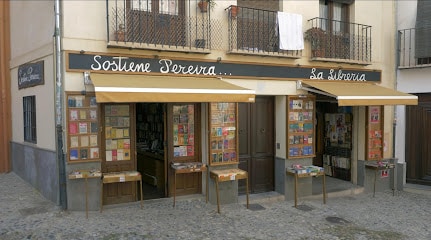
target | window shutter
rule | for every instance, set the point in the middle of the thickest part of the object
(423, 29)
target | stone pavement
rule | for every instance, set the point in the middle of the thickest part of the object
(25, 214)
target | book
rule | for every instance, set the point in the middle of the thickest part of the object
(73, 115)
(126, 143)
(83, 153)
(74, 141)
(93, 140)
(84, 141)
(71, 101)
(94, 152)
(93, 102)
(79, 101)
(120, 154)
(73, 154)
(93, 114)
(94, 127)
(82, 114)
(126, 154)
(83, 127)
(108, 156)
(73, 128)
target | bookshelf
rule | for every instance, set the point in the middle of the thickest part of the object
(374, 133)
(117, 132)
(223, 140)
(300, 126)
(83, 128)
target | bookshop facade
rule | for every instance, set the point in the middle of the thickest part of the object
(145, 114)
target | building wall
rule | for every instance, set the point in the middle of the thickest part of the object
(32, 24)
(84, 29)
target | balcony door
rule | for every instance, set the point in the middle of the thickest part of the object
(159, 22)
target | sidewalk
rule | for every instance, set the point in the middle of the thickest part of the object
(25, 214)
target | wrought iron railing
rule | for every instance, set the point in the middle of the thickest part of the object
(412, 53)
(254, 31)
(343, 41)
(185, 28)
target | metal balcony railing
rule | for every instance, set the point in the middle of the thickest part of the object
(341, 41)
(412, 51)
(254, 31)
(140, 24)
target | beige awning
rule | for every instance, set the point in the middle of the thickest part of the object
(144, 88)
(359, 94)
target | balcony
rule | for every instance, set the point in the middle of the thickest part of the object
(337, 41)
(414, 49)
(254, 32)
(185, 28)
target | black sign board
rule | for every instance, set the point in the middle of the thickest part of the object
(30, 75)
(128, 64)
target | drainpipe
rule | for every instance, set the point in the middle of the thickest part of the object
(59, 109)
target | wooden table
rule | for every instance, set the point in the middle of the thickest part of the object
(377, 168)
(304, 175)
(85, 174)
(188, 167)
(117, 177)
(228, 175)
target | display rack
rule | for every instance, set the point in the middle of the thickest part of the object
(374, 133)
(300, 126)
(117, 132)
(183, 130)
(83, 128)
(338, 145)
(223, 140)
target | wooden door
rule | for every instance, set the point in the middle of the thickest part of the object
(183, 141)
(156, 22)
(418, 143)
(256, 143)
(118, 144)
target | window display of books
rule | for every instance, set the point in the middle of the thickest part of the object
(117, 132)
(223, 133)
(83, 128)
(300, 124)
(374, 135)
(183, 130)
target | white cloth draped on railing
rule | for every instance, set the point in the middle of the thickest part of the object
(290, 31)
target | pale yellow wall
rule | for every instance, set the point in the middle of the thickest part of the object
(45, 105)
(32, 29)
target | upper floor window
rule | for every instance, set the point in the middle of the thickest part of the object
(423, 32)
(337, 14)
(29, 113)
(169, 7)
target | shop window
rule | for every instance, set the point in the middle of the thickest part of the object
(29, 113)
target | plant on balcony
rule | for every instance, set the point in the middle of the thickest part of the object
(317, 38)
(205, 4)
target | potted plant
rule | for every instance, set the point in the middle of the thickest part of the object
(234, 11)
(120, 33)
(205, 4)
(317, 38)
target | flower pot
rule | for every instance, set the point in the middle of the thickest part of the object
(234, 11)
(203, 5)
(200, 43)
(120, 36)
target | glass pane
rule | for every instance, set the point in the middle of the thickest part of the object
(183, 130)
(168, 7)
(142, 5)
(117, 132)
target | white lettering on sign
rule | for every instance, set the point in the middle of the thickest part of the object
(337, 75)
(121, 64)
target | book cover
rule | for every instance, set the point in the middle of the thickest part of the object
(190, 151)
(226, 157)
(191, 139)
(83, 127)
(119, 133)
(233, 156)
(126, 121)
(126, 154)
(71, 101)
(219, 131)
(220, 157)
(79, 101)
(214, 157)
(214, 144)
(73, 128)
(126, 132)
(73, 115)
(93, 102)
(94, 127)
(93, 114)
(126, 143)
(94, 152)
(93, 140)
(114, 155)
(83, 153)
(74, 141)
(120, 144)
(108, 144)
(82, 114)
(108, 156)
(84, 141)
(114, 144)
(120, 154)
(74, 154)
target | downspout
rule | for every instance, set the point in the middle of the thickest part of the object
(397, 57)
(59, 108)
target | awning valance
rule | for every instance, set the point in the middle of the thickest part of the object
(359, 94)
(144, 88)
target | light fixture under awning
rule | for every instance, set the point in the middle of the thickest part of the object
(358, 94)
(144, 88)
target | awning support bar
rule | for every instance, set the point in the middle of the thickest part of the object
(300, 86)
